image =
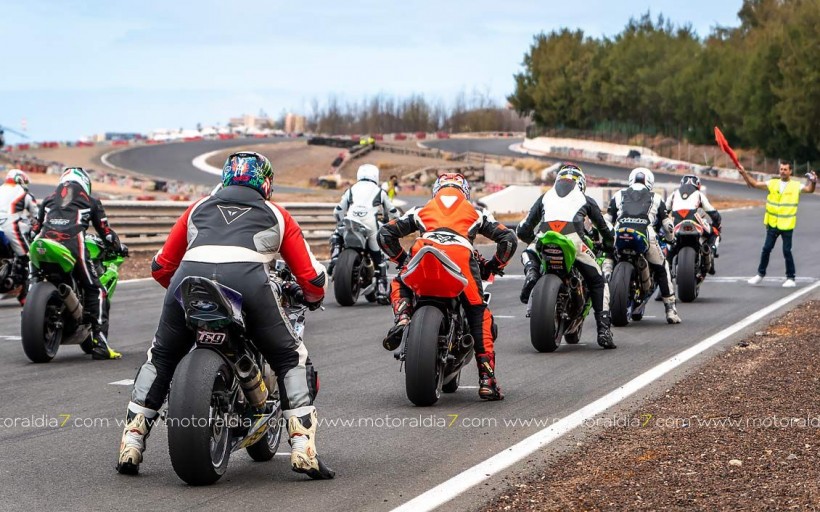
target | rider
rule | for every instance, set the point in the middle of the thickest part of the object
(234, 234)
(367, 195)
(688, 198)
(64, 217)
(564, 208)
(639, 208)
(18, 211)
(450, 212)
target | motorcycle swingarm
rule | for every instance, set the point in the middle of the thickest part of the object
(259, 428)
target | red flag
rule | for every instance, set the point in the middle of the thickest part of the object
(724, 145)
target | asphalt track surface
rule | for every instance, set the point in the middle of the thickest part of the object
(368, 432)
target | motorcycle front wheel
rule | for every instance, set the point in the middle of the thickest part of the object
(199, 436)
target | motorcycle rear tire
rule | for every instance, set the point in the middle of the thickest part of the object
(190, 424)
(422, 369)
(545, 325)
(619, 291)
(40, 344)
(346, 286)
(687, 279)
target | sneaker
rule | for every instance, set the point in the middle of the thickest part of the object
(756, 279)
(789, 283)
(302, 440)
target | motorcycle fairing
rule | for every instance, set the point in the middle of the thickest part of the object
(631, 240)
(431, 273)
(556, 250)
(43, 250)
(355, 233)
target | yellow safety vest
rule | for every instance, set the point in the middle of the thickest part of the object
(781, 209)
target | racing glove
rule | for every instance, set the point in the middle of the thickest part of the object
(490, 267)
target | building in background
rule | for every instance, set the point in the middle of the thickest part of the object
(294, 123)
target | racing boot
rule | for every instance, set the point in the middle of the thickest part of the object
(488, 388)
(607, 267)
(531, 276)
(603, 321)
(134, 434)
(302, 432)
(402, 312)
(100, 349)
(336, 244)
(671, 311)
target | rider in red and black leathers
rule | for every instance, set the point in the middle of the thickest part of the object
(64, 217)
(232, 237)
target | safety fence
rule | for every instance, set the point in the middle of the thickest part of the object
(144, 225)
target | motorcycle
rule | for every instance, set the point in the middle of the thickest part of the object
(437, 343)
(560, 301)
(693, 258)
(224, 396)
(355, 272)
(53, 313)
(632, 283)
(13, 270)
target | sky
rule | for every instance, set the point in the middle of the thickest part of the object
(76, 68)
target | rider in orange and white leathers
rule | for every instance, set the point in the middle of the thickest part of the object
(450, 214)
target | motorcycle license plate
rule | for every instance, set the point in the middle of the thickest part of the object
(210, 337)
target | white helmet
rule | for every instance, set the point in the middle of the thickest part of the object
(77, 175)
(19, 177)
(642, 175)
(368, 172)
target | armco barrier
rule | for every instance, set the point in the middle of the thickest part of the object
(144, 225)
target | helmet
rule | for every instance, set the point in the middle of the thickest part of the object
(368, 172)
(572, 172)
(249, 169)
(642, 175)
(691, 179)
(19, 177)
(77, 175)
(452, 179)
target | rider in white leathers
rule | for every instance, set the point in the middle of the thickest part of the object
(690, 197)
(363, 201)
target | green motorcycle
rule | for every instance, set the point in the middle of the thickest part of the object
(560, 300)
(53, 313)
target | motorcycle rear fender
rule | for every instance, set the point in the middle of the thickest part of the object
(209, 305)
(432, 273)
(631, 241)
(688, 227)
(355, 234)
(43, 250)
(564, 243)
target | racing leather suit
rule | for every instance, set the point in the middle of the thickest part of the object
(232, 236)
(450, 214)
(18, 209)
(639, 208)
(64, 217)
(362, 202)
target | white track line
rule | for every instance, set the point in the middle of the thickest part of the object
(201, 162)
(124, 382)
(473, 476)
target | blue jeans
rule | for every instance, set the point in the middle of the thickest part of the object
(771, 238)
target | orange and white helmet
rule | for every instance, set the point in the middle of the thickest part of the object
(19, 177)
(452, 179)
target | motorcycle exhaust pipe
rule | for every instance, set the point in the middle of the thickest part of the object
(250, 378)
(72, 303)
